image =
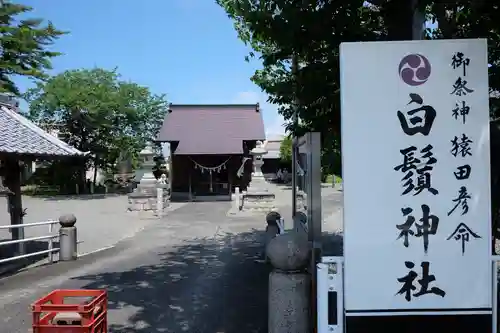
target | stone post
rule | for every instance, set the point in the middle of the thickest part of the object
(67, 238)
(289, 284)
(236, 201)
(159, 200)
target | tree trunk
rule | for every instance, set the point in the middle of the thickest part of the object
(96, 167)
(398, 16)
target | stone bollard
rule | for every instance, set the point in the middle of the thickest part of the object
(289, 284)
(67, 238)
(161, 195)
(159, 201)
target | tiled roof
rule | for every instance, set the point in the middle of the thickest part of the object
(271, 155)
(212, 129)
(18, 135)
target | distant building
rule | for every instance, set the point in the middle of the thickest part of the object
(272, 160)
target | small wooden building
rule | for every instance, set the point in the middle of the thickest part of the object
(208, 144)
(21, 142)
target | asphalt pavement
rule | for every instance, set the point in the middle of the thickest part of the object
(194, 271)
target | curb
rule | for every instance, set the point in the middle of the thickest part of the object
(12, 268)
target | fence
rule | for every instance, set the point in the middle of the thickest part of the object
(49, 237)
(330, 294)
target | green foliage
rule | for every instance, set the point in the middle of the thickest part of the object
(311, 31)
(24, 46)
(160, 166)
(277, 30)
(286, 149)
(330, 155)
(61, 174)
(96, 112)
(281, 29)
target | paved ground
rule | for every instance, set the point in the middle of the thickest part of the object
(101, 221)
(168, 278)
(192, 271)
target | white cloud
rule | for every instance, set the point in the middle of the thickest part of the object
(273, 122)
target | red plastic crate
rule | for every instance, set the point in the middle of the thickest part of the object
(59, 312)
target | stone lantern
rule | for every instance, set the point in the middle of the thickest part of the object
(150, 194)
(258, 197)
(145, 172)
(258, 162)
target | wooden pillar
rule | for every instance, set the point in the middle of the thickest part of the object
(171, 171)
(189, 183)
(229, 170)
(12, 181)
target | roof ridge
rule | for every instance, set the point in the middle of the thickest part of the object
(33, 127)
(200, 107)
(214, 105)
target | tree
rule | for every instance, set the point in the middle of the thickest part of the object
(312, 35)
(286, 149)
(96, 112)
(24, 46)
(277, 30)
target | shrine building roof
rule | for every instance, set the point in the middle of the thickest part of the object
(212, 129)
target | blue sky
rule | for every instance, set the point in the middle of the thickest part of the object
(186, 49)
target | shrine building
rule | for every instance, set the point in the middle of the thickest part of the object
(208, 144)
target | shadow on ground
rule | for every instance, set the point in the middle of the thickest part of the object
(206, 286)
(11, 250)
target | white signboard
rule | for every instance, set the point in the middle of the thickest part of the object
(416, 171)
